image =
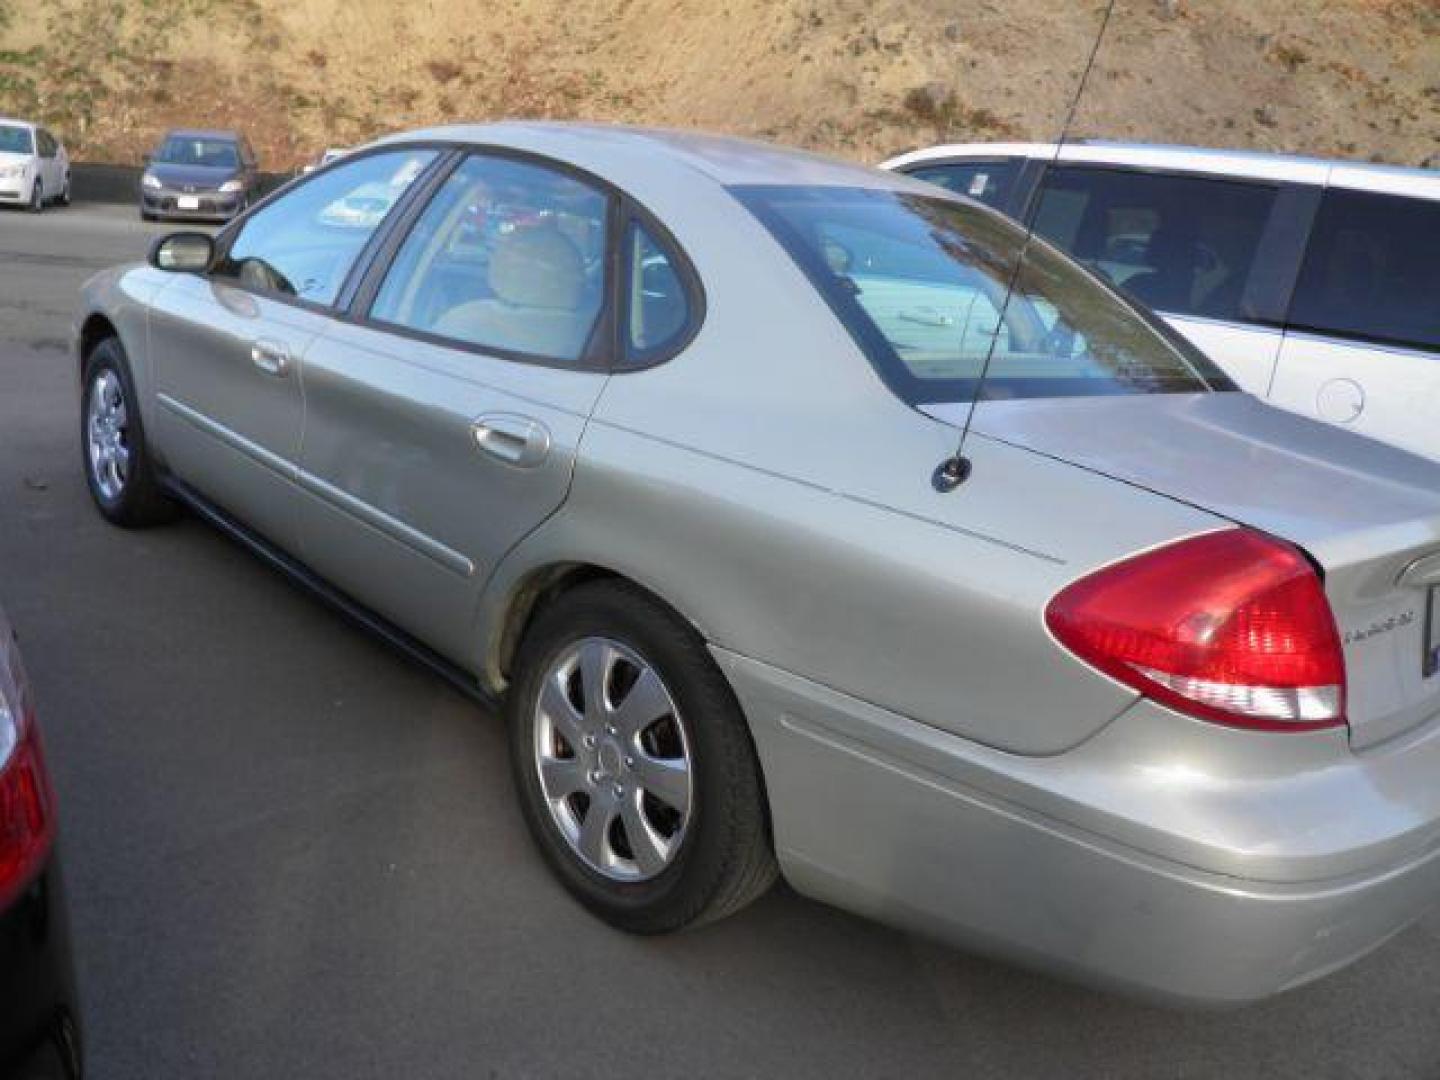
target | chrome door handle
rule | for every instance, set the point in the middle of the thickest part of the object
(271, 358)
(515, 440)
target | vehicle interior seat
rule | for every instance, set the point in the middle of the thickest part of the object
(1171, 254)
(537, 280)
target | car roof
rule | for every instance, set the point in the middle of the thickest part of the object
(671, 154)
(14, 122)
(1255, 164)
(202, 133)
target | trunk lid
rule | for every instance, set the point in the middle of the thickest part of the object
(1367, 513)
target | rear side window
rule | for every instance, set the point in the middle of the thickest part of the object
(989, 182)
(303, 243)
(509, 256)
(1181, 244)
(1372, 270)
(658, 306)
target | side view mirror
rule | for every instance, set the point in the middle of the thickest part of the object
(183, 252)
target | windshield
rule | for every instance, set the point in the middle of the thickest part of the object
(921, 283)
(16, 140)
(188, 150)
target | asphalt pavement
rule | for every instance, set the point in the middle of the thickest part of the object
(292, 853)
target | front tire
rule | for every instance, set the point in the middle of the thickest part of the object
(634, 765)
(37, 198)
(119, 469)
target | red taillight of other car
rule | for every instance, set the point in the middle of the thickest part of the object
(27, 819)
(1230, 626)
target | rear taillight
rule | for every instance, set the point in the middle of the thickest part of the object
(27, 819)
(1231, 626)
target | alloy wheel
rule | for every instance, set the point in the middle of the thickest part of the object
(107, 435)
(613, 760)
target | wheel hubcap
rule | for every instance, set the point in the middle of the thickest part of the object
(613, 760)
(108, 436)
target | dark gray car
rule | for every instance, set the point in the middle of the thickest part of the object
(198, 174)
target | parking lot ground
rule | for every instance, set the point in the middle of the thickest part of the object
(291, 853)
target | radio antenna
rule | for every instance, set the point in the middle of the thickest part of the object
(955, 470)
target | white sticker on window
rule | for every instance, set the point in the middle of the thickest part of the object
(977, 184)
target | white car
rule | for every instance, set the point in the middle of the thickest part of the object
(332, 153)
(1315, 284)
(34, 167)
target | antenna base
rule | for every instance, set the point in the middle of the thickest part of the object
(950, 474)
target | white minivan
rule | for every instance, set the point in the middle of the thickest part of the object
(1314, 284)
(34, 168)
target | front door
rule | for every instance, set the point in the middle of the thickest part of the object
(229, 347)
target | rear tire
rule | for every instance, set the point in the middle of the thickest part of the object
(65, 192)
(689, 867)
(119, 469)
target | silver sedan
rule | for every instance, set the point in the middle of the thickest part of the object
(794, 540)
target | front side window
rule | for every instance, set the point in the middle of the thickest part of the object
(989, 182)
(198, 150)
(303, 244)
(921, 283)
(658, 304)
(1372, 269)
(1181, 244)
(15, 140)
(508, 256)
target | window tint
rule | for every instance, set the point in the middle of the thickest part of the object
(304, 243)
(1372, 269)
(989, 182)
(15, 140)
(659, 308)
(921, 284)
(46, 143)
(1182, 244)
(509, 255)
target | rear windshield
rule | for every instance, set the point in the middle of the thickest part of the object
(921, 282)
(188, 150)
(15, 140)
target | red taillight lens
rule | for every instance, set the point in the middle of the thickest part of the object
(27, 818)
(27, 822)
(1231, 626)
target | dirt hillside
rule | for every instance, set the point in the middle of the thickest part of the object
(1350, 78)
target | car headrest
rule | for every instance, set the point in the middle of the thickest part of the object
(537, 267)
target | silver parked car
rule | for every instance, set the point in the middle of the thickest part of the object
(654, 436)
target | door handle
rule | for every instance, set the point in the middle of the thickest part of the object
(515, 440)
(271, 358)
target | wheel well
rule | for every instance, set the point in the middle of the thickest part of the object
(533, 594)
(95, 330)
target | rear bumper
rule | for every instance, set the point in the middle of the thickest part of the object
(39, 1020)
(998, 852)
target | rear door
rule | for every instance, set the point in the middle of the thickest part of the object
(227, 347)
(1362, 348)
(442, 419)
(1214, 255)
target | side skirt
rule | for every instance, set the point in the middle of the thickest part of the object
(416, 650)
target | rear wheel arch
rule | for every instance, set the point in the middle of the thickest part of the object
(533, 593)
